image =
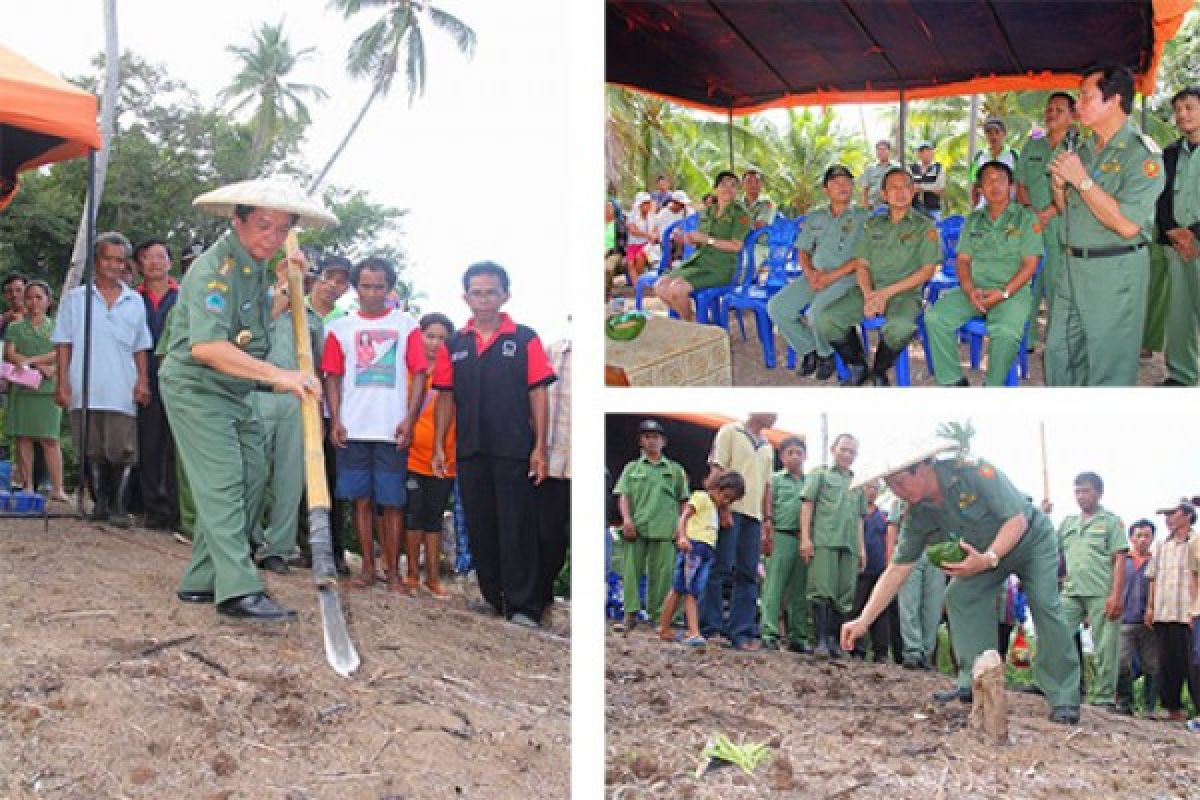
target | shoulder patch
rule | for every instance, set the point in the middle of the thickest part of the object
(987, 471)
(743, 220)
(214, 303)
(931, 235)
(1150, 168)
(1150, 144)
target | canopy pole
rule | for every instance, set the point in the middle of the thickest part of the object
(903, 133)
(972, 137)
(89, 289)
(729, 128)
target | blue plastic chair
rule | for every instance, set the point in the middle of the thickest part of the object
(708, 301)
(759, 283)
(650, 277)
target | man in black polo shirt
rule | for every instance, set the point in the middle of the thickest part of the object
(929, 180)
(492, 377)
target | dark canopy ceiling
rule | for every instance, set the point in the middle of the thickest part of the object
(748, 55)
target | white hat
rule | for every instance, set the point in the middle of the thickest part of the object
(901, 454)
(680, 196)
(641, 197)
(278, 194)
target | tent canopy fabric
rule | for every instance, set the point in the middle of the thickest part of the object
(746, 56)
(43, 119)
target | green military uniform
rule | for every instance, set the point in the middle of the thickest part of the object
(1154, 331)
(656, 491)
(1100, 302)
(830, 241)
(893, 251)
(1088, 548)
(996, 249)
(787, 574)
(283, 439)
(836, 527)
(219, 438)
(872, 180)
(761, 210)
(1032, 172)
(187, 504)
(977, 499)
(708, 266)
(921, 598)
(1183, 309)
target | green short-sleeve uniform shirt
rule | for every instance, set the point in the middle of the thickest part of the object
(977, 499)
(223, 297)
(996, 247)
(1130, 169)
(786, 490)
(1186, 187)
(761, 210)
(837, 509)
(709, 266)
(1088, 548)
(830, 240)
(1032, 170)
(655, 490)
(895, 250)
(736, 448)
(872, 179)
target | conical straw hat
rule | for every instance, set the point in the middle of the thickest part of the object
(279, 194)
(901, 454)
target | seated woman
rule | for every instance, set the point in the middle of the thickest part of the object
(723, 226)
(641, 232)
(32, 415)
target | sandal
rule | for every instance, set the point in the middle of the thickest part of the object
(694, 641)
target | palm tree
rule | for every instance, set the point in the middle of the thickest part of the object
(958, 432)
(376, 53)
(279, 104)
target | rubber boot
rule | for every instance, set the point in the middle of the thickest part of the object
(433, 563)
(885, 357)
(850, 348)
(98, 478)
(834, 618)
(821, 625)
(412, 555)
(122, 476)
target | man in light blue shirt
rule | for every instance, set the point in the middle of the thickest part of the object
(118, 381)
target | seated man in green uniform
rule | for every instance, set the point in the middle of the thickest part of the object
(718, 242)
(1106, 191)
(218, 340)
(1002, 534)
(824, 248)
(831, 542)
(787, 575)
(997, 256)
(895, 257)
(651, 493)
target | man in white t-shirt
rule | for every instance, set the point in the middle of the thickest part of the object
(374, 363)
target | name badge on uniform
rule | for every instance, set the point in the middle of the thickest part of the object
(246, 306)
(508, 349)
(459, 356)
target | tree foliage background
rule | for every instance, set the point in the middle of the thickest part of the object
(647, 136)
(169, 148)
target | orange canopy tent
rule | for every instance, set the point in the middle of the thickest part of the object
(43, 119)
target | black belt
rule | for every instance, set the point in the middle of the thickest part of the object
(1104, 252)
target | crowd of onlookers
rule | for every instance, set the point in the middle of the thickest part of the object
(401, 454)
(777, 559)
(1071, 223)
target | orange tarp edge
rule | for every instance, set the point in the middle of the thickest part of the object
(1168, 17)
(35, 100)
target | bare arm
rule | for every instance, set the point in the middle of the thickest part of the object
(62, 395)
(416, 396)
(1006, 539)
(885, 590)
(1112, 606)
(333, 398)
(141, 389)
(537, 458)
(443, 412)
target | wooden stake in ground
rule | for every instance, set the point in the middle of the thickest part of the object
(989, 709)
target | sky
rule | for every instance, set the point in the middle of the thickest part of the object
(479, 159)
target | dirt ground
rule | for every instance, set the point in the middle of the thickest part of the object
(109, 687)
(749, 369)
(850, 730)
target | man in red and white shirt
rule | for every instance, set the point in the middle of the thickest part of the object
(374, 363)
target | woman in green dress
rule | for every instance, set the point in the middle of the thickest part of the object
(32, 415)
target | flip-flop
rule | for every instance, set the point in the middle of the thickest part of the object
(694, 641)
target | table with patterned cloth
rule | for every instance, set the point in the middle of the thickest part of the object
(670, 352)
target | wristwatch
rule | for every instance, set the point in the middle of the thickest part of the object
(1004, 293)
(1086, 184)
(991, 556)
(710, 241)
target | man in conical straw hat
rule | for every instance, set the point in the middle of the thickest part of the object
(1002, 534)
(216, 345)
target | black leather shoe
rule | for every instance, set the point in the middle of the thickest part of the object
(195, 597)
(799, 647)
(826, 366)
(1065, 715)
(275, 564)
(946, 695)
(808, 364)
(257, 607)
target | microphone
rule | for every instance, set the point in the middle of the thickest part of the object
(1071, 140)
